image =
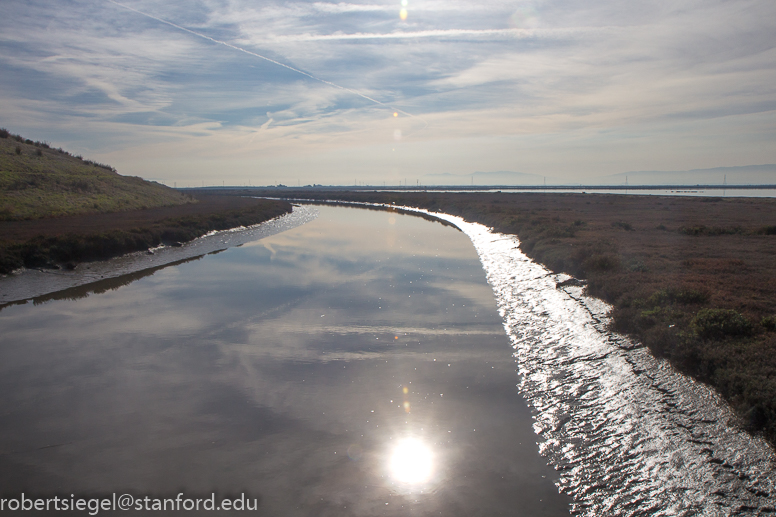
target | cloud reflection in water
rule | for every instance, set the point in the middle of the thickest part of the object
(280, 367)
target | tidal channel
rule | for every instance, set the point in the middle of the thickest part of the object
(354, 365)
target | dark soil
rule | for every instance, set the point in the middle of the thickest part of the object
(65, 241)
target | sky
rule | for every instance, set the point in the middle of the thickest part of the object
(238, 92)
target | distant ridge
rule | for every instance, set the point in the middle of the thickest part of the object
(743, 175)
(486, 178)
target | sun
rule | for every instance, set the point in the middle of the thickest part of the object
(411, 461)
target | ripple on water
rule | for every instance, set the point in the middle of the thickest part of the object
(627, 434)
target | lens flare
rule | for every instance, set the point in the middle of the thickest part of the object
(403, 14)
(411, 461)
(354, 452)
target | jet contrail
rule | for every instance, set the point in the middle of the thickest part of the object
(254, 54)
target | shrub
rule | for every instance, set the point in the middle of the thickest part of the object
(559, 231)
(705, 230)
(38, 152)
(674, 295)
(638, 266)
(693, 230)
(4, 133)
(769, 322)
(9, 260)
(604, 262)
(719, 323)
(18, 149)
(81, 185)
(623, 225)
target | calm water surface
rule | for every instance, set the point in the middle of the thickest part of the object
(355, 365)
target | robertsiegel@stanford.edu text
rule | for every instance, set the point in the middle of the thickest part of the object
(93, 505)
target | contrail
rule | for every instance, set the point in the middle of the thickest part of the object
(265, 58)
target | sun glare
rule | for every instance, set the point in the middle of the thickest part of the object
(411, 461)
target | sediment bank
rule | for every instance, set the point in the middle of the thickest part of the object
(66, 241)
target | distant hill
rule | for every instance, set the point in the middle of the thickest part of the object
(38, 181)
(745, 175)
(487, 178)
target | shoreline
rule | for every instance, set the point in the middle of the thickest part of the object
(41, 285)
(692, 279)
(64, 242)
(700, 292)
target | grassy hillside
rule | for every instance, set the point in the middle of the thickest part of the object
(58, 210)
(37, 181)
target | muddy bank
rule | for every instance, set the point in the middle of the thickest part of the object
(67, 241)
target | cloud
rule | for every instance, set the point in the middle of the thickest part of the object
(330, 74)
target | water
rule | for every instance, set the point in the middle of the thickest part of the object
(259, 369)
(635, 191)
(43, 283)
(628, 435)
(294, 369)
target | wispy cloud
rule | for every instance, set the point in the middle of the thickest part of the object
(542, 85)
(458, 34)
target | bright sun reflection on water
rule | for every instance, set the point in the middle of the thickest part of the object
(411, 461)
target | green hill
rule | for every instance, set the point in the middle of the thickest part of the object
(37, 181)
